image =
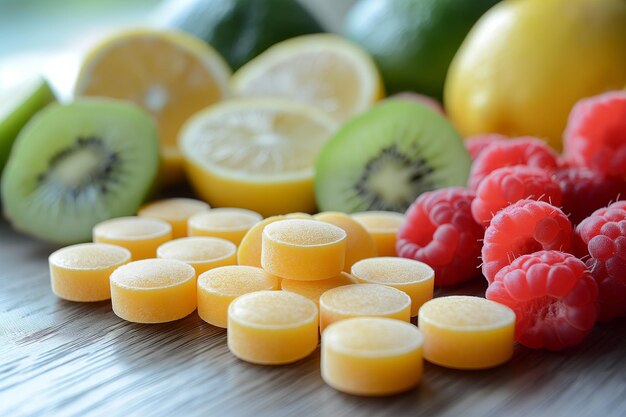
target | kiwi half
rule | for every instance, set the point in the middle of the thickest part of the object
(386, 157)
(17, 105)
(75, 165)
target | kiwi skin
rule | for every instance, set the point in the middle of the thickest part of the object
(40, 96)
(47, 194)
(384, 158)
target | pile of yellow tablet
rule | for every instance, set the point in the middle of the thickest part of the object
(281, 327)
(147, 265)
(276, 284)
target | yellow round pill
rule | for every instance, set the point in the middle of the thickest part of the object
(383, 227)
(305, 250)
(153, 291)
(272, 327)
(249, 250)
(218, 287)
(464, 332)
(361, 300)
(313, 290)
(226, 223)
(175, 211)
(359, 243)
(371, 356)
(81, 272)
(141, 236)
(202, 253)
(413, 277)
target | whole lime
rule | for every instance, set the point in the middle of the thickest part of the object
(242, 29)
(413, 41)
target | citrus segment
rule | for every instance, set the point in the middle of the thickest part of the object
(256, 154)
(323, 70)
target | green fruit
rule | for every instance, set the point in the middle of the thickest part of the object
(386, 157)
(242, 29)
(75, 165)
(17, 106)
(413, 41)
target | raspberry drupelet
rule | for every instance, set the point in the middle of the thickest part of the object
(507, 185)
(520, 151)
(524, 227)
(585, 191)
(595, 135)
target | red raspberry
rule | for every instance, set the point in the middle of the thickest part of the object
(595, 136)
(554, 298)
(521, 228)
(520, 151)
(507, 185)
(603, 238)
(439, 230)
(585, 191)
(477, 143)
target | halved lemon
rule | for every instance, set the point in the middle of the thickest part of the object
(256, 154)
(170, 74)
(323, 70)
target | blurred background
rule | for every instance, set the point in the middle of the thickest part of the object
(50, 37)
(491, 70)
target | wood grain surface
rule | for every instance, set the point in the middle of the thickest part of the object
(59, 358)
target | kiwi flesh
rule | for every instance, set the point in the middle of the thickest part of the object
(75, 165)
(384, 158)
(17, 105)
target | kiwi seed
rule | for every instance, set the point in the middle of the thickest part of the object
(412, 176)
(99, 175)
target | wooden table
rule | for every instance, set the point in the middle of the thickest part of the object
(59, 358)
